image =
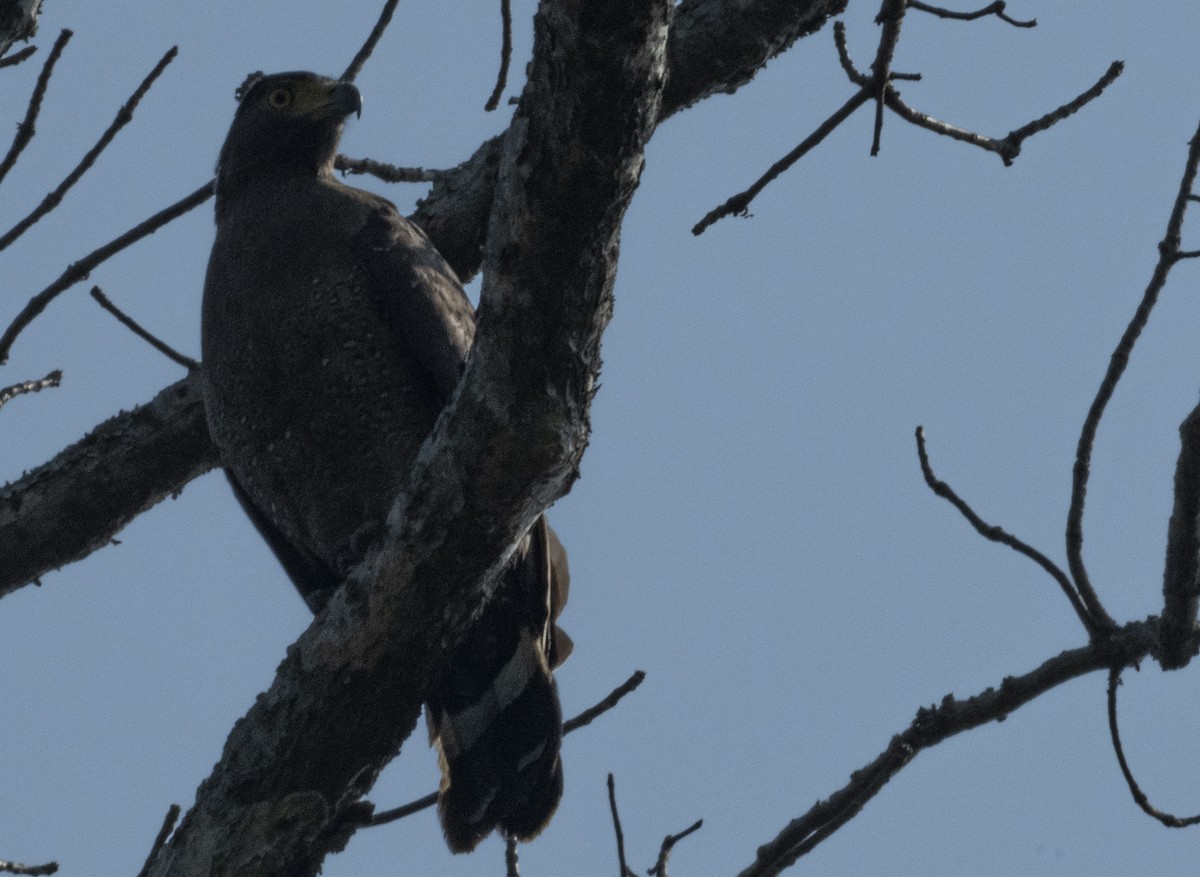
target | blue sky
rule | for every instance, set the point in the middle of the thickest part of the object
(751, 527)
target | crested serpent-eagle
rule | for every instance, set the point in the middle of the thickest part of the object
(333, 334)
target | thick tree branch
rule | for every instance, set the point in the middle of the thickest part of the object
(18, 21)
(1181, 574)
(744, 34)
(101, 483)
(714, 47)
(287, 788)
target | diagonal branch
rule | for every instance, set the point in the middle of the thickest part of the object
(360, 58)
(101, 483)
(78, 271)
(748, 33)
(1127, 645)
(998, 534)
(123, 118)
(349, 691)
(17, 57)
(136, 328)
(583, 719)
(26, 129)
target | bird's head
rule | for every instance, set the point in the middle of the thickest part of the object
(286, 125)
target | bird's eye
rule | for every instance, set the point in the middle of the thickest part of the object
(280, 98)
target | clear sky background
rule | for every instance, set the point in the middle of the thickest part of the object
(751, 527)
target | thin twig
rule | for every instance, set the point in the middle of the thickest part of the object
(996, 9)
(124, 117)
(1168, 255)
(389, 173)
(1139, 797)
(17, 57)
(998, 534)
(511, 867)
(161, 346)
(878, 87)
(29, 870)
(1009, 146)
(739, 203)
(668, 844)
(584, 718)
(386, 816)
(368, 47)
(163, 833)
(7, 394)
(625, 870)
(505, 57)
(891, 16)
(1115, 69)
(78, 271)
(26, 129)
(1127, 645)
(614, 697)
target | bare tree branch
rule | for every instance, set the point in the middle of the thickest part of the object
(101, 483)
(79, 271)
(713, 47)
(163, 833)
(1139, 797)
(878, 86)
(1123, 647)
(17, 57)
(27, 128)
(28, 870)
(1168, 249)
(7, 394)
(129, 323)
(356, 65)
(739, 204)
(584, 718)
(123, 118)
(623, 869)
(511, 868)
(389, 173)
(454, 215)
(493, 100)
(998, 534)
(997, 9)
(1181, 574)
(349, 691)
(668, 844)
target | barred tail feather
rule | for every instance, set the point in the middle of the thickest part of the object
(500, 755)
(494, 715)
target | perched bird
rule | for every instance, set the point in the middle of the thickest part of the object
(333, 334)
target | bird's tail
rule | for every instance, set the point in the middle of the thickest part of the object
(494, 715)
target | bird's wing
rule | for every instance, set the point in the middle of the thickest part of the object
(417, 292)
(313, 579)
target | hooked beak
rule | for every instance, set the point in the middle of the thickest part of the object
(345, 99)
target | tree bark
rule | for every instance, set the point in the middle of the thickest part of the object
(745, 34)
(286, 790)
(65, 509)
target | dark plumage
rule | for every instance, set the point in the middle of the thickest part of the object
(333, 335)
